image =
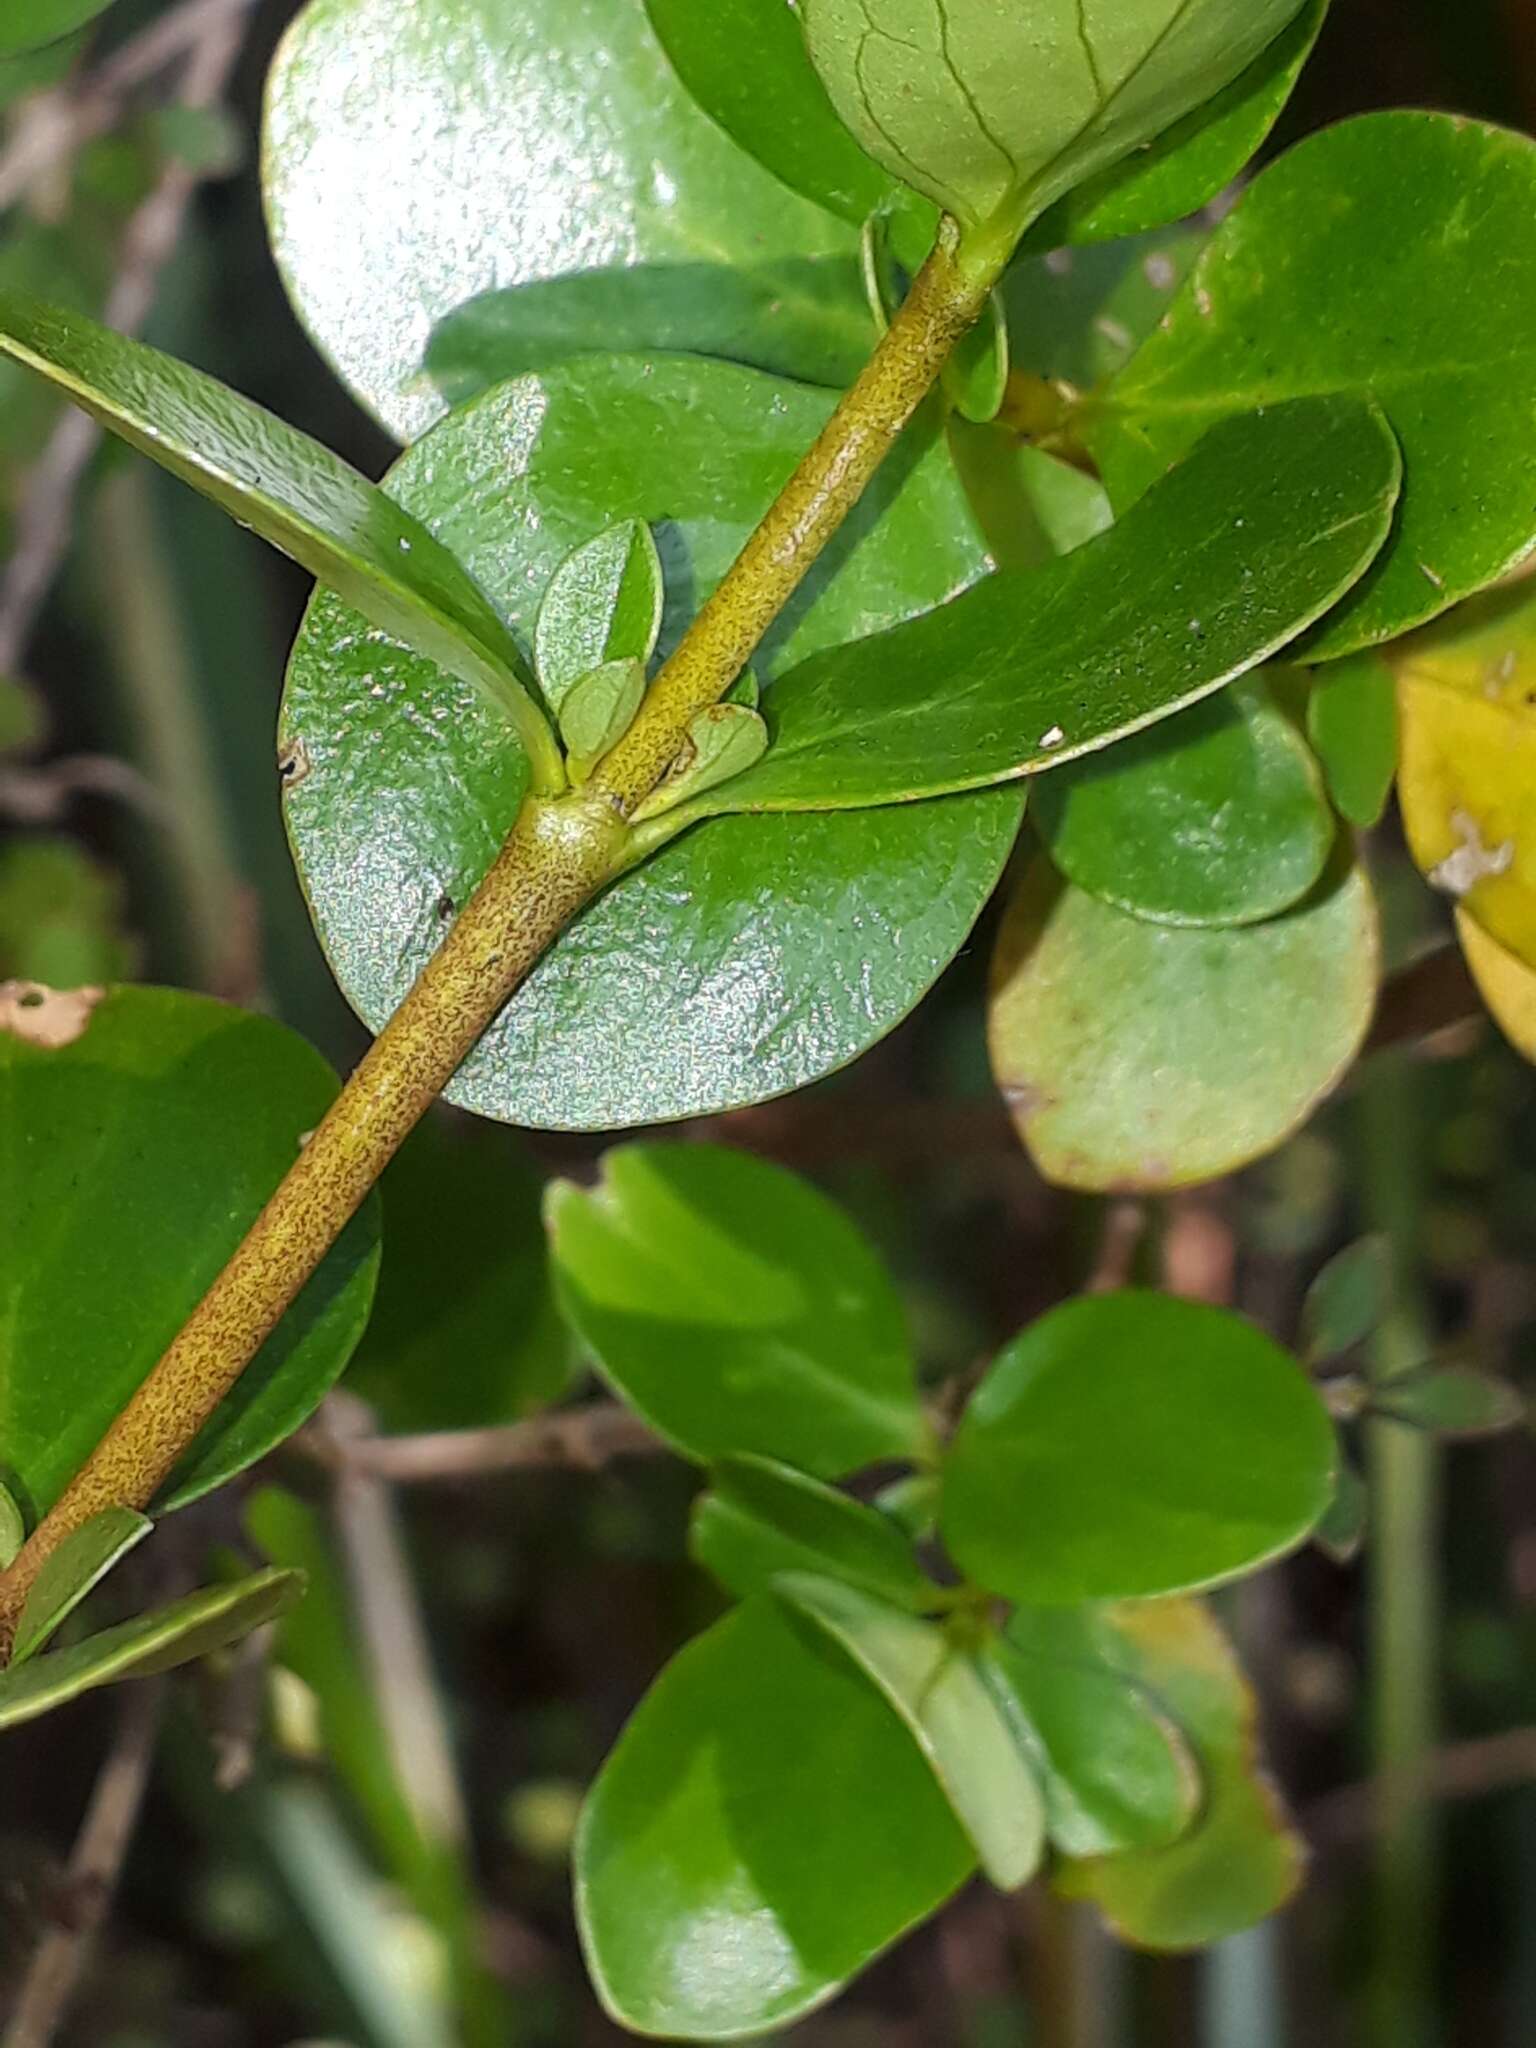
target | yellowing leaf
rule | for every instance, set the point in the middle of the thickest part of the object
(1504, 981)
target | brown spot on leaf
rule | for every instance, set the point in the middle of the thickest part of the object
(293, 764)
(47, 1017)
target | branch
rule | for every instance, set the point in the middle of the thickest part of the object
(1464, 1770)
(581, 1439)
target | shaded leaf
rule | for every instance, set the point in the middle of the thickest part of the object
(1450, 1400)
(194, 1627)
(760, 1520)
(751, 1845)
(13, 1528)
(31, 24)
(1140, 1056)
(737, 1309)
(1134, 1444)
(1348, 1299)
(1352, 722)
(1079, 315)
(60, 915)
(23, 722)
(937, 1689)
(72, 1572)
(1341, 1533)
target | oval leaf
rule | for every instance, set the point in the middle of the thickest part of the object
(498, 143)
(153, 1127)
(1417, 212)
(939, 1693)
(761, 1519)
(1133, 1444)
(1216, 817)
(1269, 522)
(1348, 1300)
(603, 604)
(73, 1571)
(765, 1827)
(194, 1627)
(1139, 1056)
(783, 953)
(1352, 722)
(737, 1309)
(1504, 981)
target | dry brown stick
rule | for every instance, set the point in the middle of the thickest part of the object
(44, 517)
(94, 1869)
(1463, 1770)
(581, 1439)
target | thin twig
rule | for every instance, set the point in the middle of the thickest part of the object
(580, 1439)
(43, 520)
(1462, 1770)
(94, 1869)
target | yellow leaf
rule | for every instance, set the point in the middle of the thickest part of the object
(1467, 695)
(1504, 981)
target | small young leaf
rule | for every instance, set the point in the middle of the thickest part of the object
(596, 712)
(1240, 1861)
(1215, 817)
(73, 1571)
(761, 1519)
(976, 376)
(194, 1627)
(1449, 1400)
(1259, 533)
(1137, 1055)
(1341, 1532)
(299, 496)
(723, 742)
(13, 1528)
(764, 1828)
(1506, 983)
(1352, 722)
(994, 111)
(603, 605)
(1117, 1773)
(737, 1310)
(1347, 1300)
(1381, 201)
(1133, 1444)
(937, 1689)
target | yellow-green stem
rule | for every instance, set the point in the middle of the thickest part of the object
(561, 852)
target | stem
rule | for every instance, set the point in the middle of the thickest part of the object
(561, 852)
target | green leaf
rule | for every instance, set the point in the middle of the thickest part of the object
(1080, 314)
(1417, 212)
(1142, 1056)
(1348, 1299)
(190, 1628)
(1216, 817)
(1241, 1861)
(1116, 1772)
(1133, 1444)
(1342, 1531)
(1352, 722)
(498, 143)
(60, 915)
(152, 1126)
(765, 1827)
(935, 1686)
(1234, 554)
(995, 111)
(299, 496)
(464, 1333)
(31, 24)
(13, 1528)
(598, 709)
(802, 317)
(761, 1519)
(1030, 506)
(23, 721)
(1450, 1400)
(976, 375)
(603, 604)
(723, 742)
(1194, 160)
(737, 1310)
(746, 64)
(785, 948)
(73, 1571)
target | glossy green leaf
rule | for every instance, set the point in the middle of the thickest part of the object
(1116, 1772)
(465, 1332)
(72, 1572)
(31, 24)
(802, 317)
(603, 604)
(599, 708)
(737, 1309)
(13, 1527)
(1240, 549)
(1134, 1444)
(1349, 266)
(760, 1520)
(1348, 1299)
(142, 1133)
(190, 1628)
(935, 1686)
(1342, 1531)
(994, 112)
(496, 143)
(746, 64)
(765, 1827)
(61, 915)
(723, 742)
(410, 785)
(1215, 817)
(1190, 163)
(1352, 722)
(294, 493)
(1142, 1056)
(1241, 1861)
(1450, 1400)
